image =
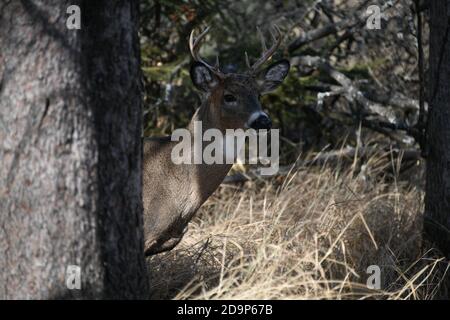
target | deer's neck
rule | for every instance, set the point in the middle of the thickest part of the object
(204, 115)
(205, 178)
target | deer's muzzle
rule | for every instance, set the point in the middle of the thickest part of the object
(259, 120)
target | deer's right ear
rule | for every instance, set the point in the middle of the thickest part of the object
(202, 78)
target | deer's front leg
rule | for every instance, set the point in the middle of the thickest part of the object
(165, 243)
(155, 247)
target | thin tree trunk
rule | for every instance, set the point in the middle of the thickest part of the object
(70, 150)
(437, 201)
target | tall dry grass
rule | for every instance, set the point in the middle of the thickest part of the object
(310, 234)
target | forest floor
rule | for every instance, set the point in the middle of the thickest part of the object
(319, 232)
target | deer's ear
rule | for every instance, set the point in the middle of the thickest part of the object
(202, 78)
(274, 75)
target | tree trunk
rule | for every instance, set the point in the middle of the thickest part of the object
(70, 150)
(437, 201)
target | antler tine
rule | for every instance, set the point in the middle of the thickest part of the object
(267, 53)
(194, 46)
(217, 65)
(194, 43)
(247, 61)
(263, 41)
(277, 29)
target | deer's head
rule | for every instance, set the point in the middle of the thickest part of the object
(234, 98)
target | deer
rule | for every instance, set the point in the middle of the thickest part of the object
(172, 193)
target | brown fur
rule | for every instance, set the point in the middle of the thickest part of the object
(173, 193)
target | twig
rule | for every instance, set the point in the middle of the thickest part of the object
(324, 157)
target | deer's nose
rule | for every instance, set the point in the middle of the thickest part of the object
(261, 122)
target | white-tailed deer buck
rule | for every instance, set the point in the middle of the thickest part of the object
(172, 193)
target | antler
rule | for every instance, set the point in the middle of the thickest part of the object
(194, 46)
(267, 53)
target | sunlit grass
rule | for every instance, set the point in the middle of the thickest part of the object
(310, 234)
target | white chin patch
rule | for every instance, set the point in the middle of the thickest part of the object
(253, 117)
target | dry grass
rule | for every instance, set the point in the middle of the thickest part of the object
(308, 235)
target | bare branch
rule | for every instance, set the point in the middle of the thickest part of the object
(327, 157)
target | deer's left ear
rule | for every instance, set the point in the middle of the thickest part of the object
(274, 75)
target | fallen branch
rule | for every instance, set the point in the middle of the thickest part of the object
(349, 153)
(352, 92)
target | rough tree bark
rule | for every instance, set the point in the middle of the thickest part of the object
(437, 200)
(70, 150)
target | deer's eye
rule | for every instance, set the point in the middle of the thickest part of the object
(229, 98)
